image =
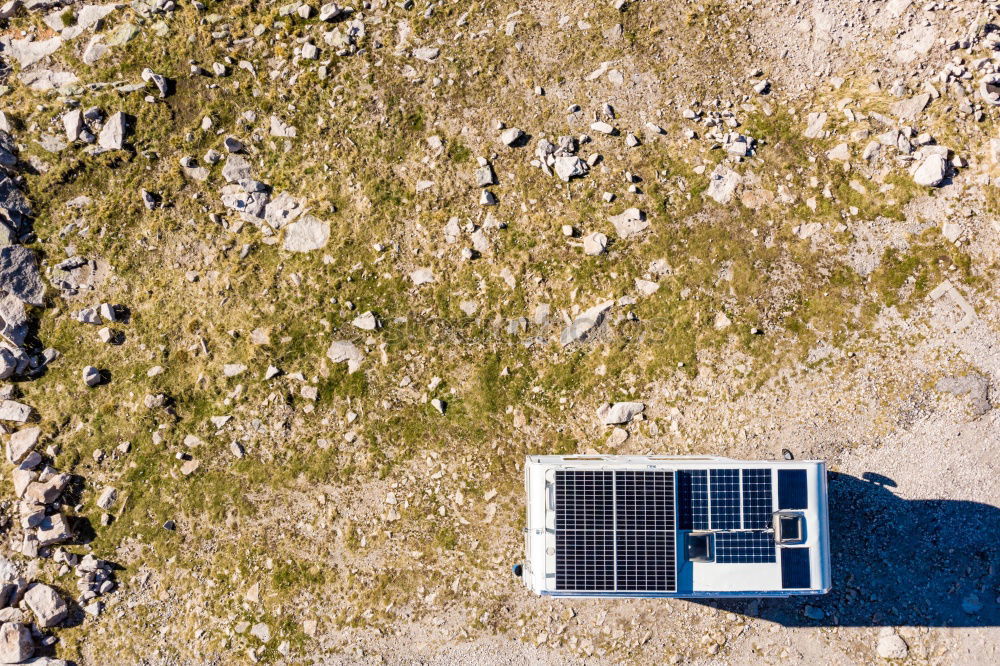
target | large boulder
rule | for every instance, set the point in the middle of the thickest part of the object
(931, 172)
(48, 606)
(114, 132)
(306, 234)
(19, 274)
(344, 351)
(586, 322)
(16, 644)
(619, 412)
(629, 222)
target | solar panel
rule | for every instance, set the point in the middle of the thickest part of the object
(795, 568)
(757, 501)
(793, 489)
(585, 538)
(744, 547)
(724, 496)
(644, 518)
(615, 531)
(692, 499)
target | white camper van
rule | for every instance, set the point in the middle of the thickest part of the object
(660, 526)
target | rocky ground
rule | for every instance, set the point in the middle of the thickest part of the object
(288, 291)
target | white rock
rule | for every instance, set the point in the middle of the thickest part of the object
(931, 171)
(366, 321)
(814, 125)
(891, 646)
(629, 222)
(422, 276)
(586, 322)
(594, 244)
(570, 166)
(722, 183)
(112, 136)
(619, 412)
(16, 644)
(107, 498)
(839, 153)
(306, 234)
(49, 608)
(510, 136)
(344, 351)
(91, 376)
(602, 127)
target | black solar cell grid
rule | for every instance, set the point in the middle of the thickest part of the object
(585, 538)
(724, 492)
(692, 499)
(744, 547)
(757, 500)
(615, 531)
(644, 518)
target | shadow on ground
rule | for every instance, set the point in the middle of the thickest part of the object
(932, 563)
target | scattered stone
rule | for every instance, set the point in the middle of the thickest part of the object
(931, 172)
(160, 82)
(367, 321)
(594, 244)
(629, 222)
(620, 412)
(603, 127)
(585, 323)
(890, 645)
(427, 53)
(344, 351)
(722, 183)
(989, 89)
(91, 376)
(814, 125)
(49, 608)
(16, 643)
(19, 275)
(21, 443)
(107, 498)
(570, 166)
(511, 136)
(112, 136)
(233, 369)
(11, 410)
(306, 234)
(422, 276)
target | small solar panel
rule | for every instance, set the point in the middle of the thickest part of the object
(692, 499)
(795, 568)
(757, 500)
(793, 489)
(724, 498)
(615, 531)
(744, 547)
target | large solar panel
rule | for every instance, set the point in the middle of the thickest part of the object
(585, 537)
(744, 547)
(644, 518)
(615, 531)
(757, 500)
(692, 499)
(724, 499)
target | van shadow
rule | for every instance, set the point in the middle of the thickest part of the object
(933, 563)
